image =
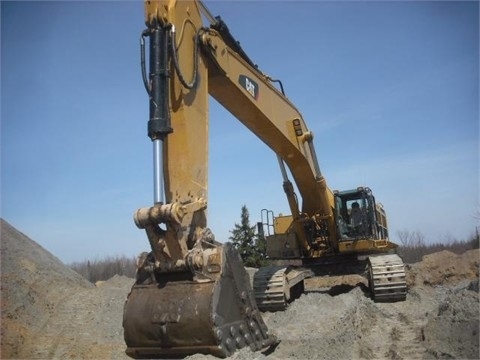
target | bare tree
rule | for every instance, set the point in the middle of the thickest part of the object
(412, 246)
(412, 239)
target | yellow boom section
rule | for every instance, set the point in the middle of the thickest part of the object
(247, 94)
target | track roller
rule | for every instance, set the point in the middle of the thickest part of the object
(275, 286)
(387, 278)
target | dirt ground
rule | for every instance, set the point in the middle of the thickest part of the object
(51, 312)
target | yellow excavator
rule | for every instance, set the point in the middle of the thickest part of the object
(192, 294)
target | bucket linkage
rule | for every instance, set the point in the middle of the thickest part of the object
(204, 304)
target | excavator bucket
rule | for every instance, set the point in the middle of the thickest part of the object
(179, 315)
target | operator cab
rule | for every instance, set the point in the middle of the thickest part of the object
(358, 216)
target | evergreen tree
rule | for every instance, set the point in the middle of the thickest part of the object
(251, 247)
(261, 251)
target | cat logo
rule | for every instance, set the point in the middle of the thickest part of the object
(250, 85)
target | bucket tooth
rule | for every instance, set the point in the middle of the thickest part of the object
(182, 315)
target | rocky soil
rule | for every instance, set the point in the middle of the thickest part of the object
(50, 312)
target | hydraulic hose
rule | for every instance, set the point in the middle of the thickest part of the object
(181, 77)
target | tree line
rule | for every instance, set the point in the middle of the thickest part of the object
(412, 246)
(252, 248)
(104, 269)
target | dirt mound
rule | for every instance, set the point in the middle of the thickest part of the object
(48, 311)
(444, 268)
(448, 330)
(116, 281)
(33, 283)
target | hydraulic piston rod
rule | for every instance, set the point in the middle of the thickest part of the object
(158, 180)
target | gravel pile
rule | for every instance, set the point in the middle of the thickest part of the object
(51, 312)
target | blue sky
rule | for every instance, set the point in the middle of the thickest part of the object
(390, 90)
